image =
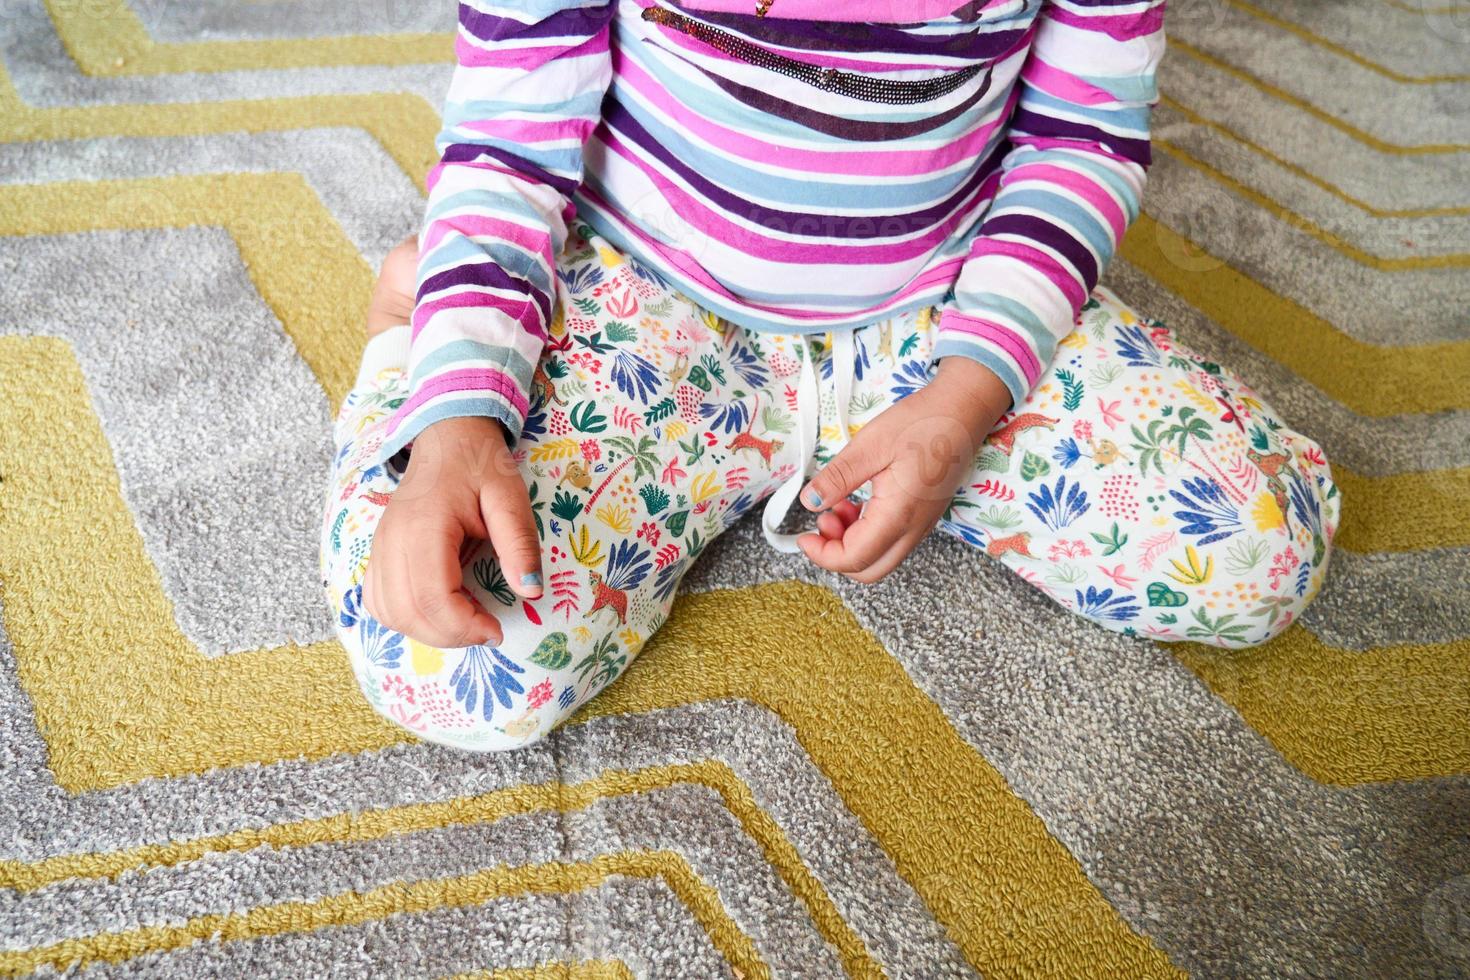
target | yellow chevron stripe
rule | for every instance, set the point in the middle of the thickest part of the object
(354, 908)
(1450, 8)
(1404, 512)
(483, 808)
(403, 124)
(1279, 93)
(1312, 37)
(115, 42)
(1369, 379)
(1341, 716)
(1203, 121)
(884, 744)
(269, 215)
(1455, 260)
(1349, 717)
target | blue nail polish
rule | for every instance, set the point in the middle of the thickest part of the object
(815, 498)
(531, 580)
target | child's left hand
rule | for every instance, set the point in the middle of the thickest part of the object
(916, 453)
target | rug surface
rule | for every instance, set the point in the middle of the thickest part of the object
(940, 776)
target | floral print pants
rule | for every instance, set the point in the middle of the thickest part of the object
(1139, 485)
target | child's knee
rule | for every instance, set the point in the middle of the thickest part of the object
(1263, 578)
(1280, 574)
(478, 698)
(483, 698)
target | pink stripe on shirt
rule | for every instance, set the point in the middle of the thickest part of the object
(1040, 75)
(531, 130)
(1060, 276)
(1119, 27)
(523, 58)
(1081, 185)
(463, 379)
(518, 308)
(1010, 343)
(486, 226)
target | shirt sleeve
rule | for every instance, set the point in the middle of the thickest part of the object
(1069, 187)
(526, 93)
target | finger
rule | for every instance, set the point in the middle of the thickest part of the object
(390, 604)
(830, 526)
(507, 511)
(444, 613)
(884, 521)
(832, 523)
(885, 518)
(890, 559)
(847, 471)
(395, 604)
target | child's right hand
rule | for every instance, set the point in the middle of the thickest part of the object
(462, 484)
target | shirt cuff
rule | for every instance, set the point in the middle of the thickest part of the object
(480, 392)
(1012, 355)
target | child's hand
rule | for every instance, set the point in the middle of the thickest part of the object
(462, 484)
(916, 454)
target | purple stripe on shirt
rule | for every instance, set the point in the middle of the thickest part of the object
(1043, 231)
(1033, 122)
(471, 152)
(571, 23)
(843, 127)
(487, 274)
(849, 38)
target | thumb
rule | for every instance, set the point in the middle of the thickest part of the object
(506, 507)
(857, 463)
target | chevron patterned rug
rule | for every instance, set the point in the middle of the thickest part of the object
(799, 777)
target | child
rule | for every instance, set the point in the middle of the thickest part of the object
(682, 258)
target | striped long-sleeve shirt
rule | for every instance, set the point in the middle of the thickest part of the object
(785, 170)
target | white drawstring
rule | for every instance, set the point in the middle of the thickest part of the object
(808, 411)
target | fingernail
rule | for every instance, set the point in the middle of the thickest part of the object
(815, 498)
(531, 580)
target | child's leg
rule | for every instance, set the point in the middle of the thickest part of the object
(1145, 488)
(653, 427)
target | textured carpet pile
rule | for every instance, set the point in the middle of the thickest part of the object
(939, 776)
